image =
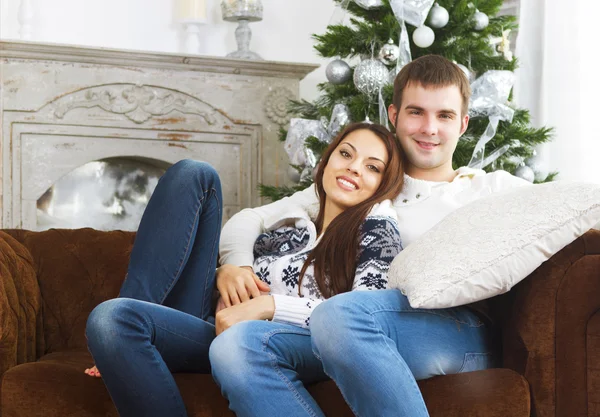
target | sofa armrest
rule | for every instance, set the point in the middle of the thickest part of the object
(21, 334)
(544, 331)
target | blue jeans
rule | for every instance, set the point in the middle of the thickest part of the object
(375, 347)
(262, 368)
(161, 322)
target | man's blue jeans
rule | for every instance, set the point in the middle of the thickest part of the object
(375, 346)
(371, 343)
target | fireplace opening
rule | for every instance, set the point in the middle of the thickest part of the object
(109, 194)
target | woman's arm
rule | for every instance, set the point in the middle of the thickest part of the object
(380, 243)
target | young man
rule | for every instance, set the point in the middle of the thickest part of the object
(373, 344)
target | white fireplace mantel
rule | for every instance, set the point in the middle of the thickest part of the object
(63, 106)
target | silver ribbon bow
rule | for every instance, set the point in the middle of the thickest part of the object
(324, 130)
(489, 96)
(413, 12)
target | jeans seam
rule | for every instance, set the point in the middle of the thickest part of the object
(206, 292)
(150, 324)
(395, 352)
(285, 380)
(432, 312)
(179, 270)
(183, 337)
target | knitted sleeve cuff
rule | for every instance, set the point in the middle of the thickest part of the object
(294, 310)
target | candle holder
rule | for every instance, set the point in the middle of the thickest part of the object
(243, 12)
(192, 36)
(192, 15)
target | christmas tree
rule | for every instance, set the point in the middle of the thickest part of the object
(387, 34)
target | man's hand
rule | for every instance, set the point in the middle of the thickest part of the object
(260, 308)
(237, 284)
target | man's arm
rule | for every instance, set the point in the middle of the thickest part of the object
(240, 232)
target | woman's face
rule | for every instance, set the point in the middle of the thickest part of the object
(355, 169)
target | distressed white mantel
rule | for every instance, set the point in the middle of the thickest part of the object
(64, 106)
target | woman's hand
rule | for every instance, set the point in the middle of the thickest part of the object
(237, 284)
(260, 308)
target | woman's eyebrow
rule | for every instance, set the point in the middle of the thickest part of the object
(370, 157)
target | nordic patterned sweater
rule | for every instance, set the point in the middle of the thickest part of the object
(280, 253)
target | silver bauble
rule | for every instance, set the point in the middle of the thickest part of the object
(469, 74)
(438, 17)
(389, 53)
(481, 20)
(369, 4)
(338, 71)
(525, 172)
(539, 168)
(293, 174)
(314, 172)
(369, 76)
(423, 36)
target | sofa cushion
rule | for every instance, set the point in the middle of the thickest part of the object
(76, 270)
(56, 386)
(486, 247)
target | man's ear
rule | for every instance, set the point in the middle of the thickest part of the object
(464, 124)
(392, 114)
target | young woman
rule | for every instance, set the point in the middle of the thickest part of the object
(162, 321)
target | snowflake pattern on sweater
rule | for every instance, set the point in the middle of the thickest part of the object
(279, 256)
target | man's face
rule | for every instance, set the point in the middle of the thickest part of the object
(429, 124)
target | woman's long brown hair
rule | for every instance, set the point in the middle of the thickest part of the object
(336, 254)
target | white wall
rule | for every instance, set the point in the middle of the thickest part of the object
(557, 81)
(150, 25)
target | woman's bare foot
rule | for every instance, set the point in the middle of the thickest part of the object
(93, 372)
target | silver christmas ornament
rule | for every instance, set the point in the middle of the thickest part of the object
(423, 37)
(438, 17)
(481, 20)
(314, 172)
(468, 73)
(338, 71)
(525, 172)
(293, 174)
(369, 4)
(369, 76)
(389, 53)
(539, 168)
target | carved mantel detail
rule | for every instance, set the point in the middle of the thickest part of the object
(137, 102)
(276, 105)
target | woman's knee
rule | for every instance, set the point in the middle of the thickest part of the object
(330, 325)
(190, 170)
(235, 354)
(107, 323)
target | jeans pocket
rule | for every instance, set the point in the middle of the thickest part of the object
(477, 362)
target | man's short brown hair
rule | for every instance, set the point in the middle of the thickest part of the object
(432, 71)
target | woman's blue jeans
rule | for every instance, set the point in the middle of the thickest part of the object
(370, 342)
(161, 321)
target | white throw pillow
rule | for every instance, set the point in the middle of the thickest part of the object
(486, 247)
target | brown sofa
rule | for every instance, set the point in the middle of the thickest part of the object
(50, 281)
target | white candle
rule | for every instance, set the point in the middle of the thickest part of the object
(193, 10)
